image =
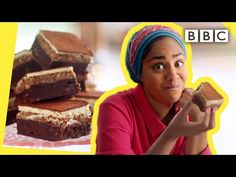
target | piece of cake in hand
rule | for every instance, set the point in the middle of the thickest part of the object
(207, 97)
(23, 63)
(54, 120)
(47, 84)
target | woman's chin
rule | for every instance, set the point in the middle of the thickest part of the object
(173, 98)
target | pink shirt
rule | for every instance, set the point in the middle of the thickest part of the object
(127, 124)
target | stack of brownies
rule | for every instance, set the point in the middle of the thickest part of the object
(44, 80)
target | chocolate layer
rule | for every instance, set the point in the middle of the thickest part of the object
(48, 91)
(51, 132)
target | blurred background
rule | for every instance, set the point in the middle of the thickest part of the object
(215, 60)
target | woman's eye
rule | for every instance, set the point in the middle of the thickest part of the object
(179, 64)
(159, 67)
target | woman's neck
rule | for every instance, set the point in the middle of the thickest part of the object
(161, 109)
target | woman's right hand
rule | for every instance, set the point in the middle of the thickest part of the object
(181, 126)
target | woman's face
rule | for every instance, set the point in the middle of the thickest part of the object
(164, 71)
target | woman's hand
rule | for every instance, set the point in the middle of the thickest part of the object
(195, 144)
(195, 113)
(181, 126)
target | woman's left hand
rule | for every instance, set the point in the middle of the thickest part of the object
(195, 113)
(195, 144)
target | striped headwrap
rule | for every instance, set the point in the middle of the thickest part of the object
(139, 42)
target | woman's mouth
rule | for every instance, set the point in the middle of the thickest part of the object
(172, 87)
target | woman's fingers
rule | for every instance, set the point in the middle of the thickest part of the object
(209, 119)
(188, 91)
(212, 118)
(185, 110)
(186, 96)
(207, 123)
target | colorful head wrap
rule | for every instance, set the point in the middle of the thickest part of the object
(139, 43)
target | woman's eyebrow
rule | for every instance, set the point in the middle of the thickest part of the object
(178, 54)
(162, 57)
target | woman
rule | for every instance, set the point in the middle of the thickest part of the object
(157, 116)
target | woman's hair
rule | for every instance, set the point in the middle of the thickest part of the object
(140, 44)
(149, 46)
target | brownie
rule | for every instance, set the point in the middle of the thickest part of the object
(51, 46)
(23, 63)
(47, 84)
(54, 120)
(207, 97)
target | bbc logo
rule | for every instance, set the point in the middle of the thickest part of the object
(206, 35)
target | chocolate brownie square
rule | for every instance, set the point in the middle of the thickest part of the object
(54, 120)
(47, 84)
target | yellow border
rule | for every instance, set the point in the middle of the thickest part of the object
(231, 27)
(7, 45)
(131, 84)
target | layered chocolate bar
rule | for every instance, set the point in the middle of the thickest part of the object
(47, 84)
(207, 97)
(54, 120)
(61, 47)
(23, 63)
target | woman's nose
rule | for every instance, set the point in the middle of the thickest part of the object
(172, 74)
